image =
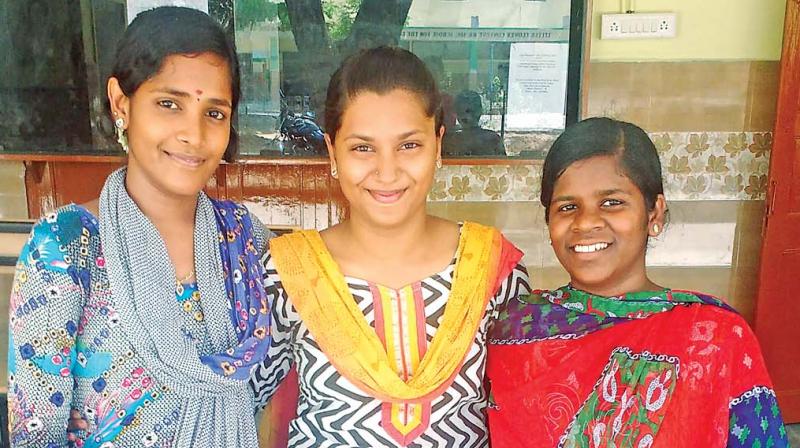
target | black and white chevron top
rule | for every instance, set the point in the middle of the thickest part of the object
(332, 412)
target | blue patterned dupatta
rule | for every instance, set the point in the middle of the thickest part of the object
(247, 300)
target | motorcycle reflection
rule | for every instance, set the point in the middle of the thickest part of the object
(299, 134)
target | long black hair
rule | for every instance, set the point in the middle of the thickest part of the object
(161, 32)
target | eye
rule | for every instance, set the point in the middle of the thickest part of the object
(362, 148)
(168, 104)
(217, 115)
(567, 208)
(409, 146)
(611, 203)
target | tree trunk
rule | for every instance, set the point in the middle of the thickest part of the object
(378, 22)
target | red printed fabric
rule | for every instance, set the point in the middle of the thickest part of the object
(690, 376)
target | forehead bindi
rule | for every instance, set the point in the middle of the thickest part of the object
(200, 75)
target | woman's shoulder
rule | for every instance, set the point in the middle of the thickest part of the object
(66, 224)
(261, 233)
(68, 233)
(710, 308)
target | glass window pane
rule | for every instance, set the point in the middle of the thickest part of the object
(502, 68)
(501, 65)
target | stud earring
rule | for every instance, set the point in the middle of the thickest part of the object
(334, 172)
(438, 163)
(656, 229)
(122, 139)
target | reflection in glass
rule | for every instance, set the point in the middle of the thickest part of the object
(56, 57)
(482, 53)
(468, 138)
(504, 61)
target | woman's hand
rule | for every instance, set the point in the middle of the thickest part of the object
(76, 423)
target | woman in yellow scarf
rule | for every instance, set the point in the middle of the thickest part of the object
(385, 315)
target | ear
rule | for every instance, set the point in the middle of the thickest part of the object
(331, 152)
(120, 103)
(439, 137)
(657, 216)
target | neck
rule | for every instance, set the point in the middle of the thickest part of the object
(636, 282)
(387, 242)
(160, 207)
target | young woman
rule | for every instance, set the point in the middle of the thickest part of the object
(612, 359)
(143, 311)
(384, 316)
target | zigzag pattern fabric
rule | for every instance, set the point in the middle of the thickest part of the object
(333, 412)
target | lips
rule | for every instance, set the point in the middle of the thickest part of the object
(590, 248)
(185, 159)
(387, 196)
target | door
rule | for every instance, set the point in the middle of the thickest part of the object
(777, 318)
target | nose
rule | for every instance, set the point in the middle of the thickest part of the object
(387, 168)
(587, 220)
(191, 132)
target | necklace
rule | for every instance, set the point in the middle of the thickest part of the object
(186, 279)
(179, 289)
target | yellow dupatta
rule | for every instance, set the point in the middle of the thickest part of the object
(319, 293)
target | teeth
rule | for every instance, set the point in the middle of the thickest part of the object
(590, 248)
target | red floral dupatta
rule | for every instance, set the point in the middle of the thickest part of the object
(654, 369)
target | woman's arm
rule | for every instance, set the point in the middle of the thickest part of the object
(266, 377)
(754, 416)
(46, 303)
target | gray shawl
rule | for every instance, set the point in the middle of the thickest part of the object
(217, 411)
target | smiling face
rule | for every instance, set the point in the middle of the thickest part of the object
(178, 124)
(599, 225)
(385, 155)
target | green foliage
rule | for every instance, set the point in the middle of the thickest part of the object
(251, 12)
(339, 17)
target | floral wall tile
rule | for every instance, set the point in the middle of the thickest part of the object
(695, 166)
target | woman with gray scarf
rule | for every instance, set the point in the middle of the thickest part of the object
(143, 312)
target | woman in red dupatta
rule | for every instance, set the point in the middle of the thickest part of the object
(612, 359)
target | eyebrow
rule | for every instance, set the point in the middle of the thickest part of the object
(367, 138)
(182, 94)
(612, 191)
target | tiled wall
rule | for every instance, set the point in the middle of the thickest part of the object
(727, 96)
(696, 165)
(711, 122)
(13, 204)
(727, 110)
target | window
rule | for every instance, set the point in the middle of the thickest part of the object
(502, 66)
(509, 70)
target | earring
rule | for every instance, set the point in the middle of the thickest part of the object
(334, 172)
(438, 163)
(656, 229)
(122, 139)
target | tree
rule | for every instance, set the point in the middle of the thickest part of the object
(251, 12)
(322, 45)
(325, 32)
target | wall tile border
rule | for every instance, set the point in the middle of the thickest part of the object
(695, 166)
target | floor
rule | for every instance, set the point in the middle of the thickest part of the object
(794, 435)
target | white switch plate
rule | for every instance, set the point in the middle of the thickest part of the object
(651, 25)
